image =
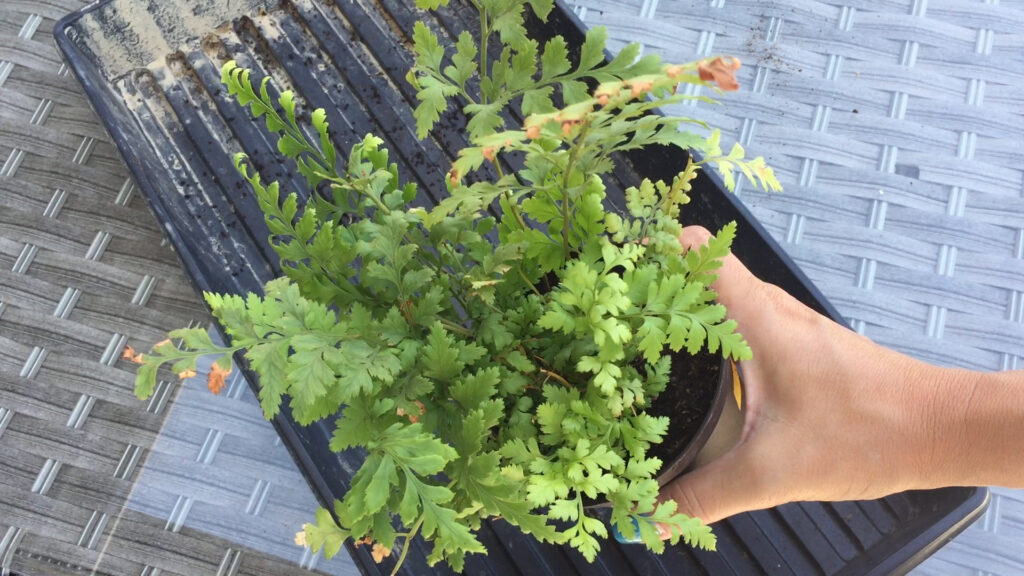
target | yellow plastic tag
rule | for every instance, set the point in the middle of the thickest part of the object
(737, 388)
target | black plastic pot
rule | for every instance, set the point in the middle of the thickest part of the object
(719, 431)
(177, 130)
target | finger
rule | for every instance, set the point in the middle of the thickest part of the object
(755, 305)
(735, 282)
(724, 487)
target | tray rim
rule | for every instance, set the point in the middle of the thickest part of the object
(79, 65)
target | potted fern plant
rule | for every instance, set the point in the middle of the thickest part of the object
(497, 354)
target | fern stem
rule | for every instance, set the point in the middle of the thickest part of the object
(565, 218)
(573, 157)
(453, 327)
(508, 195)
(515, 210)
(556, 376)
(677, 185)
(405, 547)
(527, 280)
(485, 35)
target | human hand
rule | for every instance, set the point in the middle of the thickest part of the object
(829, 414)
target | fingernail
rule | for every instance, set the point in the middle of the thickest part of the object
(635, 539)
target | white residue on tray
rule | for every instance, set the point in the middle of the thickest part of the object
(130, 34)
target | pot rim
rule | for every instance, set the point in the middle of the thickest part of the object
(674, 468)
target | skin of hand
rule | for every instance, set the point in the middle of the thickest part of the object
(832, 416)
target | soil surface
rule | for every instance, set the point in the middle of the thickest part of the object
(686, 401)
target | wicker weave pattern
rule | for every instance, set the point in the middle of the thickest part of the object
(896, 128)
(90, 477)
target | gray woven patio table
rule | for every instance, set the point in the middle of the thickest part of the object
(896, 127)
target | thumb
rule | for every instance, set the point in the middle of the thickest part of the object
(735, 282)
(754, 304)
(729, 485)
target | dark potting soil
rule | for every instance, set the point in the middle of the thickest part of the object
(686, 401)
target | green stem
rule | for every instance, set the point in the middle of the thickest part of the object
(294, 132)
(454, 256)
(353, 185)
(573, 156)
(445, 271)
(676, 187)
(565, 220)
(453, 327)
(457, 281)
(356, 292)
(492, 307)
(485, 35)
(405, 547)
(556, 376)
(527, 280)
(508, 195)
(515, 210)
(581, 512)
(643, 228)
(445, 80)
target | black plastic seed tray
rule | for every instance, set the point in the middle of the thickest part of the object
(161, 99)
